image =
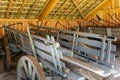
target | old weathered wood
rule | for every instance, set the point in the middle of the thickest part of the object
(9, 8)
(78, 8)
(91, 76)
(21, 8)
(88, 71)
(47, 9)
(7, 53)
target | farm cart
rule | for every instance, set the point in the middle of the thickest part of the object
(46, 53)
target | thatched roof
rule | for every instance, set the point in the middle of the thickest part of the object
(49, 9)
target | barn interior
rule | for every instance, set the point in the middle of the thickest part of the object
(59, 39)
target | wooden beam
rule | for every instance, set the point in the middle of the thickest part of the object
(7, 51)
(75, 8)
(61, 20)
(88, 4)
(21, 8)
(47, 9)
(78, 8)
(17, 20)
(95, 10)
(9, 8)
(33, 6)
(111, 9)
(60, 8)
(42, 9)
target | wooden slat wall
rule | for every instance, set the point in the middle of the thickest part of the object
(19, 27)
(61, 24)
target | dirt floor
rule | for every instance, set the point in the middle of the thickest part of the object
(7, 75)
(11, 75)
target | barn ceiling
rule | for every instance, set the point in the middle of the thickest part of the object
(47, 9)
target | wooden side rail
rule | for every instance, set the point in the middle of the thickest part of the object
(85, 44)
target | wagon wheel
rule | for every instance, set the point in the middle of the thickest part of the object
(28, 68)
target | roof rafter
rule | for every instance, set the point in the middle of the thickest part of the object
(110, 9)
(66, 10)
(75, 8)
(91, 1)
(21, 8)
(60, 8)
(96, 9)
(47, 9)
(33, 6)
(9, 8)
(42, 9)
(78, 8)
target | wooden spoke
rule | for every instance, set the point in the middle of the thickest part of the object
(29, 69)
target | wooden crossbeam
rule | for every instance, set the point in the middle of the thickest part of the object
(9, 8)
(75, 8)
(21, 8)
(60, 8)
(33, 6)
(47, 9)
(78, 8)
(95, 10)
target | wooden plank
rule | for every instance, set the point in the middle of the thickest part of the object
(52, 34)
(78, 8)
(60, 8)
(89, 71)
(33, 6)
(66, 52)
(94, 43)
(66, 44)
(47, 9)
(42, 46)
(88, 50)
(8, 57)
(83, 65)
(21, 8)
(67, 37)
(90, 75)
(44, 55)
(9, 8)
